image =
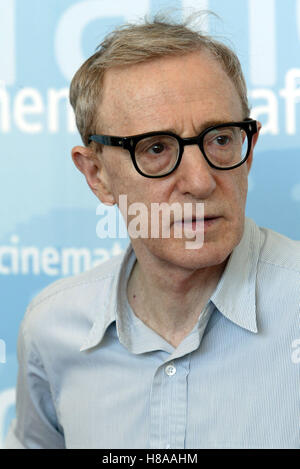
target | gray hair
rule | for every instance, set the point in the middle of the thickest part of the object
(135, 43)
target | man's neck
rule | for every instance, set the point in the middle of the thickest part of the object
(171, 302)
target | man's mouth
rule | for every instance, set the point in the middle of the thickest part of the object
(195, 223)
(198, 223)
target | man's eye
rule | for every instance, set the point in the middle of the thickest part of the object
(157, 148)
(222, 140)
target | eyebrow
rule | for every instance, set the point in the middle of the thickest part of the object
(205, 125)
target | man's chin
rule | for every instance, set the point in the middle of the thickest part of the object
(183, 253)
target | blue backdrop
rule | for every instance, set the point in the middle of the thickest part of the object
(48, 214)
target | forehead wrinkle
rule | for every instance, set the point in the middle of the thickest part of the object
(134, 109)
(164, 93)
(129, 109)
(189, 122)
(146, 112)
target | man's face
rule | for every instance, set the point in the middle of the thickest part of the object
(184, 95)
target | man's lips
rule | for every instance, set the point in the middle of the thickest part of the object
(206, 219)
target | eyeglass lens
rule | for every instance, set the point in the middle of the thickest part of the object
(225, 147)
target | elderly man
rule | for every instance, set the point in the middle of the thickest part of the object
(165, 346)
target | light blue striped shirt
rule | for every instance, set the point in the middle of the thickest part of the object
(92, 375)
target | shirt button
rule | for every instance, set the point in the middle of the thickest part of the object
(170, 370)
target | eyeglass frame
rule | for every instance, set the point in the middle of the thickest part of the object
(250, 126)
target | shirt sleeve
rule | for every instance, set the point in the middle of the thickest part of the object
(36, 425)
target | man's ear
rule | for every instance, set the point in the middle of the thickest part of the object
(254, 140)
(93, 169)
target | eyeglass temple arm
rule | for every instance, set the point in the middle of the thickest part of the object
(108, 140)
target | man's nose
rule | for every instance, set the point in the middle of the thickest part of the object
(195, 176)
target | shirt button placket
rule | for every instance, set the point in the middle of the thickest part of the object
(168, 407)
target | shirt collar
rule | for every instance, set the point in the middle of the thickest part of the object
(107, 313)
(235, 295)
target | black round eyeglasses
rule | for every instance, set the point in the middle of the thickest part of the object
(157, 154)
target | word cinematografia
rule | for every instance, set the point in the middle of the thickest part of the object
(19, 259)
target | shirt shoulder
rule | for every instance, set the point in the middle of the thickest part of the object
(279, 250)
(97, 274)
(72, 301)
